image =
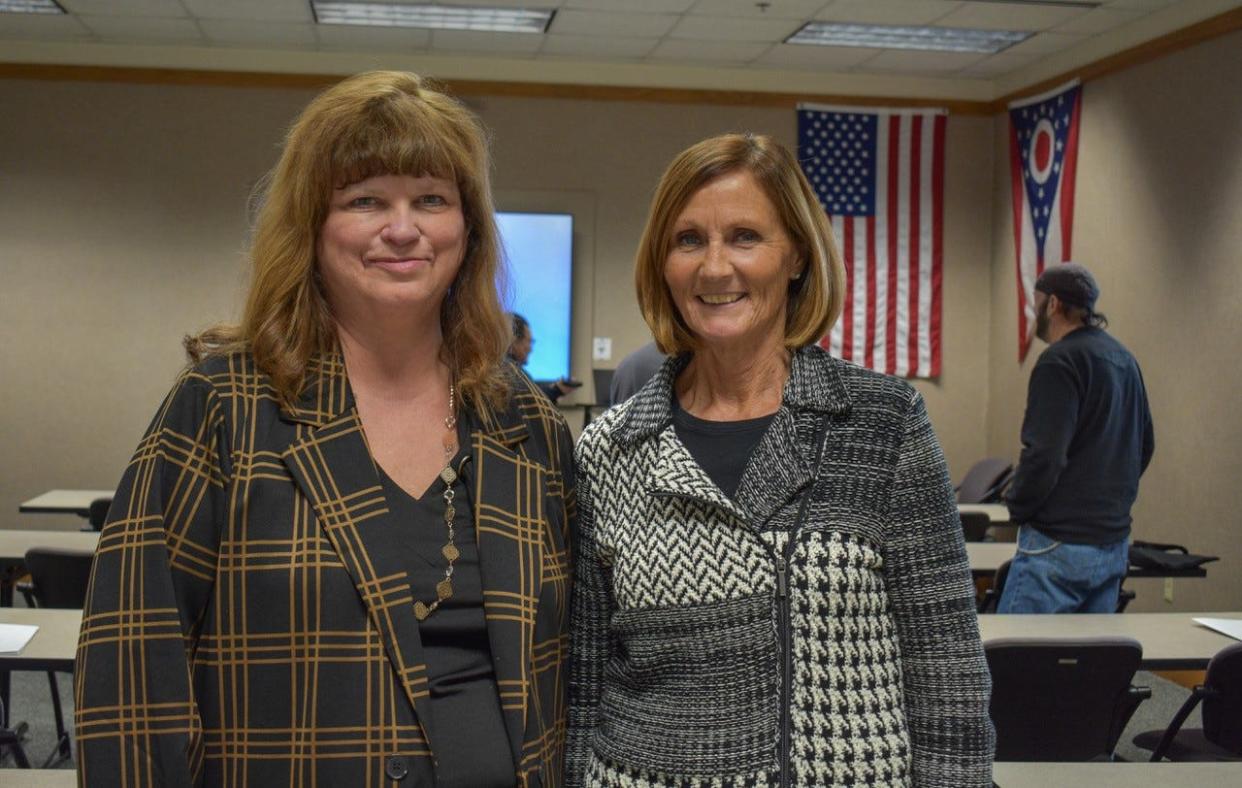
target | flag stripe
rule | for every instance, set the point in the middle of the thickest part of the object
(888, 175)
(937, 209)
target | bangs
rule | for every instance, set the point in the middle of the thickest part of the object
(394, 140)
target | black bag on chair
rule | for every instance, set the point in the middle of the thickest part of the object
(1170, 557)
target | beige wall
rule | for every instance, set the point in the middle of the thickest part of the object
(123, 215)
(1158, 219)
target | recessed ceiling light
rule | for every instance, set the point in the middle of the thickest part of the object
(30, 7)
(941, 39)
(437, 17)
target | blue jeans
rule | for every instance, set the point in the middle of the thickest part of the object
(1048, 576)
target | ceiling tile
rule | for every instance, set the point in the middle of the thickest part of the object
(143, 28)
(597, 46)
(272, 10)
(887, 12)
(641, 6)
(725, 52)
(732, 28)
(1045, 44)
(603, 23)
(913, 62)
(366, 37)
(1098, 20)
(998, 65)
(1009, 16)
(36, 26)
(780, 9)
(125, 7)
(491, 43)
(815, 57)
(253, 33)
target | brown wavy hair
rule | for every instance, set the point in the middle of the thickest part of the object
(375, 123)
(815, 297)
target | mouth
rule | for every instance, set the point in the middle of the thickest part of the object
(399, 263)
(721, 299)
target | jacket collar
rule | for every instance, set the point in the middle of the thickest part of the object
(814, 384)
(332, 465)
(781, 465)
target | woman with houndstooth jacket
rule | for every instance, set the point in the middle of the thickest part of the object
(771, 582)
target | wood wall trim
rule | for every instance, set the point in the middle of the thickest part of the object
(1145, 52)
(1199, 32)
(466, 87)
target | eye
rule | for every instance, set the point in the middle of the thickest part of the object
(432, 201)
(362, 203)
(687, 239)
(745, 235)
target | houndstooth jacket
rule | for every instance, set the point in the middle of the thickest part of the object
(250, 621)
(817, 629)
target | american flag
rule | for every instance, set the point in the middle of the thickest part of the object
(880, 176)
(1043, 157)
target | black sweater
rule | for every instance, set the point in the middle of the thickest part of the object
(1086, 438)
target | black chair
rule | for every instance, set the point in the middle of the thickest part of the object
(1220, 738)
(98, 513)
(11, 740)
(986, 481)
(991, 597)
(1062, 699)
(975, 525)
(58, 579)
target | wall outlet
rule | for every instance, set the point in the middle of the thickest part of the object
(601, 349)
(1168, 590)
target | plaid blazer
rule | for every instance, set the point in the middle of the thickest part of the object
(248, 622)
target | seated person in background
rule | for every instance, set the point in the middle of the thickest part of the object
(1086, 439)
(634, 371)
(519, 351)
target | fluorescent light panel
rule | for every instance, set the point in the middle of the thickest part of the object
(30, 7)
(436, 17)
(1062, 3)
(940, 39)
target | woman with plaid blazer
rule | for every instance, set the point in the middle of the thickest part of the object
(339, 554)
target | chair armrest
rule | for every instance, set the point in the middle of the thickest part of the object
(1200, 692)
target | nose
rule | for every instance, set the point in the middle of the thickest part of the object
(715, 259)
(402, 227)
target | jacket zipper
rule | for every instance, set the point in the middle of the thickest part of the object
(786, 637)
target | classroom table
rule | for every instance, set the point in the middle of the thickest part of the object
(997, 513)
(38, 778)
(1171, 641)
(1116, 775)
(64, 502)
(15, 542)
(986, 557)
(51, 648)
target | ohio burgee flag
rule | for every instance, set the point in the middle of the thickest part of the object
(1043, 157)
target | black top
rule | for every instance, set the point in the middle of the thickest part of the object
(722, 448)
(469, 741)
(1086, 438)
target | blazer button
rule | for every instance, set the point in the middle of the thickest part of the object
(396, 768)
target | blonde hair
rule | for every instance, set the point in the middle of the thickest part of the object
(815, 297)
(375, 123)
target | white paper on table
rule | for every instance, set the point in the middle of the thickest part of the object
(14, 637)
(1226, 626)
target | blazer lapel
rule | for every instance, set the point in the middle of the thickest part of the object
(508, 523)
(332, 465)
(675, 473)
(777, 470)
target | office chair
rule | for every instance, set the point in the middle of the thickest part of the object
(1062, 699)
(58, 579)
(991, 597)
(975, 526)
(1220, 738)
(98, 513)
(985, 482)
(11, 740)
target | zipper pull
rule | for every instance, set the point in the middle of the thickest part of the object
(782, 581)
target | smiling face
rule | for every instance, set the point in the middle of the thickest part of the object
(391, 244)
(730, 264)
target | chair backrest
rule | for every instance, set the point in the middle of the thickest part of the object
(991, 599)
(975, 525)
(1222, 709)
(99, 512)
(1061, 699)
(985, 481)
(59, 576)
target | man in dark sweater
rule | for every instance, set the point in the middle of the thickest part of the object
(1086, 438)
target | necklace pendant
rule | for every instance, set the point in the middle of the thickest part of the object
(450, 552)
(421, 611)
(448, 475)
(444, 589)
